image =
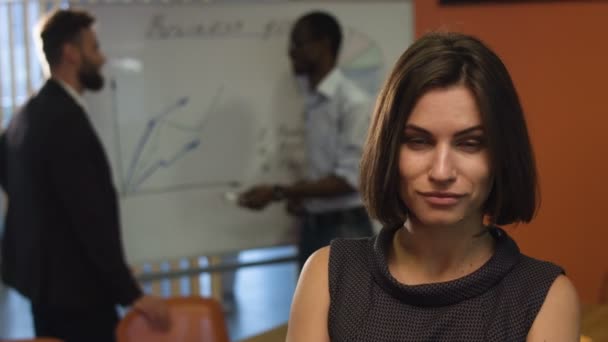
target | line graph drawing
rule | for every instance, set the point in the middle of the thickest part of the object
(160, 145)
(168, 137)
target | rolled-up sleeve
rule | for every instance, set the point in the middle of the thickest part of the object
(354, 122)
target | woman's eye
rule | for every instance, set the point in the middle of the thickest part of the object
(471, 145)
(416, 142)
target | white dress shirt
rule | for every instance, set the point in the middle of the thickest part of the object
(337, 116)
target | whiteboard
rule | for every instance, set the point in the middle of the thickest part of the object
(200, 101)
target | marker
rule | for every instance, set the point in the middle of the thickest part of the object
(231, 196)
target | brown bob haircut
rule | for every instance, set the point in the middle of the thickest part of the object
(441, 60)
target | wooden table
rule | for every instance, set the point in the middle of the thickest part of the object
(277, 334)
(595, 322)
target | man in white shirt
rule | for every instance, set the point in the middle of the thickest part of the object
(337, 117)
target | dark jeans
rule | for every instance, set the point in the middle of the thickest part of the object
(90, 325)
(319, 229)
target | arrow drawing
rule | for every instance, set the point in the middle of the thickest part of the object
(167, 138)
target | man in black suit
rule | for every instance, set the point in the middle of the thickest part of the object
(62, 246)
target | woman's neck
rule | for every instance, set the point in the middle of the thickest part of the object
(423, 254)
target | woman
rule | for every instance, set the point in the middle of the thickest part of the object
(447, 159)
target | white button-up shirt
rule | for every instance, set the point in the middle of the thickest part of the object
(337, 116)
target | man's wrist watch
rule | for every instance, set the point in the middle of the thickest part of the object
(278, 193)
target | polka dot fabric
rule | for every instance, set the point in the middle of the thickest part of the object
(498, 302)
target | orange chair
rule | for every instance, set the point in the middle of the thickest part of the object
(192, 319)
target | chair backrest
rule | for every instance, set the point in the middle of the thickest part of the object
(192, 319)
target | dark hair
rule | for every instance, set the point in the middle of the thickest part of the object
(324, 25)
(439, 60)
(60, 27)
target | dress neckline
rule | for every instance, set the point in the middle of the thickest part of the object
(506, 255)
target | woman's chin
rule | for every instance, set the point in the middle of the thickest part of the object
(444, 220)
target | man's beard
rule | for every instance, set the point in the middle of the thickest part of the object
(90, 77)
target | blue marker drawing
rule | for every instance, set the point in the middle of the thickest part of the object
(165, 141)
(166, 163)
(151, 128)
(114, 93)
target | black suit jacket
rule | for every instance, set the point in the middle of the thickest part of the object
(61, 246)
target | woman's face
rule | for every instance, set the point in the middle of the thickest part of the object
(444, 163)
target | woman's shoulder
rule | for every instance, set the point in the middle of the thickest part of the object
(530, 283)
(537, 271)
(530, 263)
(559, 316)
(350, 250)
(317, 264)
(340, 251)
(350, 245)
